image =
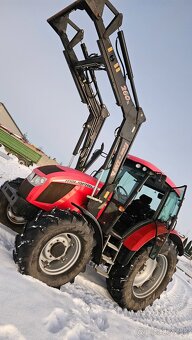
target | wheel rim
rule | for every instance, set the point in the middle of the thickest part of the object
(60, 253)
(14, 218)
(150, 276)
(21, 162)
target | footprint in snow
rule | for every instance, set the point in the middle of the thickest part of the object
(56, 321)
(100, 320)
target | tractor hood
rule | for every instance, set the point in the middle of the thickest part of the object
(53, 186)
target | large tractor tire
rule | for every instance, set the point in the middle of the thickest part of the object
(142, 281)
(55, 248)
(7, 215)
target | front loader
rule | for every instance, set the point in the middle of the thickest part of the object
(123, 217)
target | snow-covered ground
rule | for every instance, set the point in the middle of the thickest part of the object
(31, 310)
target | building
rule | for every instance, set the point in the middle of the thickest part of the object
(15, 143)
(7, 121)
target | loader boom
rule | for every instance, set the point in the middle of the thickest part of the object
(84, 75)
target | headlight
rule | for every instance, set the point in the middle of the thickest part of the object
(30, 177)
(35, 179)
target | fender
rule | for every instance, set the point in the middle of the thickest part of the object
(98, 235)
(142, 236)
(177, 239)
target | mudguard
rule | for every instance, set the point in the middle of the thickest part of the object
(143, 235)
(98, 235)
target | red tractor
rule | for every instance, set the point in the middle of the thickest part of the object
(122, 218)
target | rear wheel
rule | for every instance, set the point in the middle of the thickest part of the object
(142, 281)
(7, 215)
(56, 248)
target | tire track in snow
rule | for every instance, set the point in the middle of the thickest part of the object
(173, 311)
(170, 314)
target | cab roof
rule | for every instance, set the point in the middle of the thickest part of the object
(152, 167)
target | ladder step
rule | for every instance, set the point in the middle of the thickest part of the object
(111, 245)
(113, 233)
(107, 259)
(101, 271)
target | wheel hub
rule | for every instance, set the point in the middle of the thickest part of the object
(60, 253)
(150, 276)
(145, 272)
(57, 249)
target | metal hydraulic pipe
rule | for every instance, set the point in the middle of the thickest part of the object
(128, 66)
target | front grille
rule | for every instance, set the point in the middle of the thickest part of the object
(25, 188)
(54, 192)
(48, 169)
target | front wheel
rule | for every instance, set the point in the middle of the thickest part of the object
(7, 215)
(56, 248)
(142, 281)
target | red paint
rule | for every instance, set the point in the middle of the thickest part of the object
(77, 195)
(80, 191)
(151, 167)
(143, 235)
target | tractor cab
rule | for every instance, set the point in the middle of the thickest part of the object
(122, 219)
(142, 194)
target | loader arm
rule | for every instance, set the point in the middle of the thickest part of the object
(86, 83)
(84, 70)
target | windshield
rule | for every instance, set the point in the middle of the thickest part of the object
(127, 179)
(172, 204)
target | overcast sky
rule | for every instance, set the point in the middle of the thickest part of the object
(37, 88)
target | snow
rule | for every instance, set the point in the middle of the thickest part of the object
(82, 310)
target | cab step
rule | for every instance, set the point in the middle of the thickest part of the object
(107, 259)
(112, 246)
(116, 235)
(101, 271)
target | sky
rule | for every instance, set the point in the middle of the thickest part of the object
(37, 88)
